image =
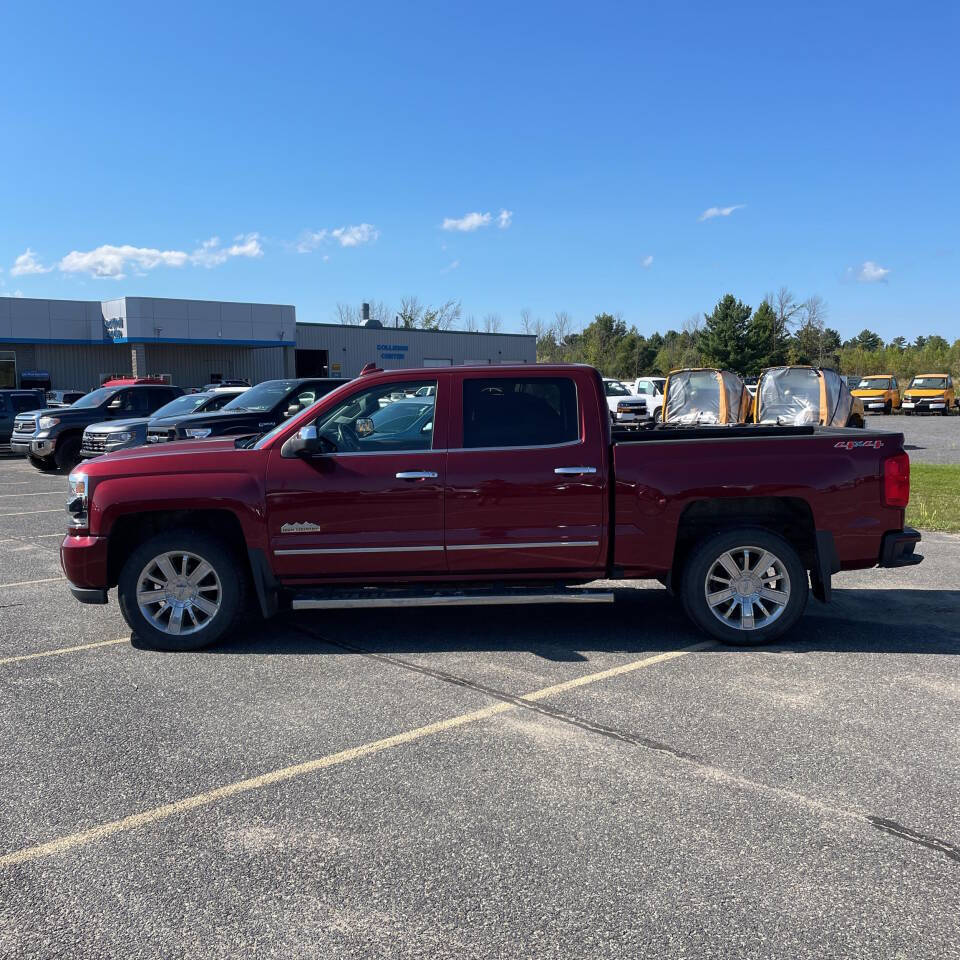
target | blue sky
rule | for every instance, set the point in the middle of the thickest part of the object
(312, 154)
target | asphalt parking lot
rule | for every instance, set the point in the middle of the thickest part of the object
(927, 439)
(539, 782)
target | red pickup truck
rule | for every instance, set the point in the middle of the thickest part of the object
(475, 485)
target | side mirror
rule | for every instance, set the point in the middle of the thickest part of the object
(292, 410)
(364, 427)
(304, 443)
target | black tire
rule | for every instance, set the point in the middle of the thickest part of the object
(856, 422)
(888, 408)
(705, 560)
(658, 414)
(232, 584)
(43, 464)
(67, 454)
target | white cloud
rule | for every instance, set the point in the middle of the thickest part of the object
(310, 240)
(871, 272)
(112, 262)
(18, 293)
(504, 219)
(26, 264)
(356, 235)
(712, 212)
(647, 262)
(210, 254)
(352, 236)
(468, 223)
(450, 267)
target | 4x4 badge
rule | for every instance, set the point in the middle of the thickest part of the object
(300, 528)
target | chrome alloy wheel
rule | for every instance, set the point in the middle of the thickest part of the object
(747, 588)
(178, 592)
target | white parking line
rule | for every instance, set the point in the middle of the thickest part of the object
(30, 513)
(26, 583)
(53, 653)
(51, 493)
(199, 800)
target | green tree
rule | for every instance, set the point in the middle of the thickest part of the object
(764, 346)
(724, 338)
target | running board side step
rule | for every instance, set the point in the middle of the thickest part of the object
(371, 598)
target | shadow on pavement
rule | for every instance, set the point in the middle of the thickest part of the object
(641, 621)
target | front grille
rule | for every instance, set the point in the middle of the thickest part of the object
(94, 442)
(161, 436)
(25, 425)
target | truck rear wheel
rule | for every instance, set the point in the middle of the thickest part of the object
(745, 587)
(181, 590)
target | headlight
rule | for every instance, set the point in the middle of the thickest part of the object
(198, 433)
(77, 501)
(47, 423)
(120, 438)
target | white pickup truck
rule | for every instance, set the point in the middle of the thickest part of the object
(625, 407)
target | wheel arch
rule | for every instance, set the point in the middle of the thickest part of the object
(131, 529)
(790, 517)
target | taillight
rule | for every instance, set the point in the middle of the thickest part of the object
(896, 480)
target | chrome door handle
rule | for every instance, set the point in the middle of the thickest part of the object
(574, 471)
(416, 475)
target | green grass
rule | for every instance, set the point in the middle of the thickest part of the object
(934, 497)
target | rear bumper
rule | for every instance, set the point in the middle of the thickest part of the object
(84, 562)
(897, 548)
(88, 595)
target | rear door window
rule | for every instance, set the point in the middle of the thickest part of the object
(519, 412)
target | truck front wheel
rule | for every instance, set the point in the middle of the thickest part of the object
(745, 587)
(181, 590)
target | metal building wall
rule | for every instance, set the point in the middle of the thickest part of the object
(192, 364)
(77, 366)
(395, 349)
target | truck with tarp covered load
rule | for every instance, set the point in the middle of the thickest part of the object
(801, 395)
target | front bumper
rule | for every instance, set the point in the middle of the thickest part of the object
(20, 446)
(42, 448)
(925, 406)
(84, 562)
(897, 546)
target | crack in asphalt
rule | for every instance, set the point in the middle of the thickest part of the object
(890, 827)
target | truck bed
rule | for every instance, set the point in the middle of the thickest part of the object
(828, 477)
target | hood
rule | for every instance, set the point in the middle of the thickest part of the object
(45, 412)
(870, 392)
(117, 426)
(925, 391)
(220, 416)
(158, 452)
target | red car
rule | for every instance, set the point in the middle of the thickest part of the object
(482, 485)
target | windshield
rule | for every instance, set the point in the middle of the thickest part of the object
(95, 398)
(874, 383)
(264, 396)
(616, 389)
(185, 404)
(929, 383)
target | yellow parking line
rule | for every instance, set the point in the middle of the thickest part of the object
(30, 513)
(59, 650)
(26, 583)
(167, 810)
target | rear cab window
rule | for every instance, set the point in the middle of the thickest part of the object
(500, 412)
